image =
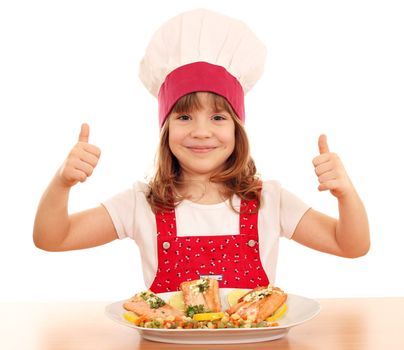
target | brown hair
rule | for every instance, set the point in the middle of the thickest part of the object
(238, 177)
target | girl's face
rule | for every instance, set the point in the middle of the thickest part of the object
(201, 140)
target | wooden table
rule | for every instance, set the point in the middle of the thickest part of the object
(357, 324)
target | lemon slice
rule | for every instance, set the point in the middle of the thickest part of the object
(130, 316)
(278, 313)
(235, 295)
(177, 301)
(208, 316)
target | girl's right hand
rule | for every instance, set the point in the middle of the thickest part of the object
(81, 161)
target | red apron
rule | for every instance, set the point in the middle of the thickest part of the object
(233, 260)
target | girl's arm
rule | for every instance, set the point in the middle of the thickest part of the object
(54, 228)
(349, 235)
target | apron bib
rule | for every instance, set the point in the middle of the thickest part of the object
(233, 260)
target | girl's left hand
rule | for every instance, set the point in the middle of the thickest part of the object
(330, 171)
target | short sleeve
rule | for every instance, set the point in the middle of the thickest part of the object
(292, 209)
(121, 209)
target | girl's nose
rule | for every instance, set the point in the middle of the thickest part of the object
(201, 129)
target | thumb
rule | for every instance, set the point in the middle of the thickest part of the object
(84, 133)
(322, 144)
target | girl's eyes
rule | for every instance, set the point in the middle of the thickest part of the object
(218, 117)
(187, 117)
(183, 117)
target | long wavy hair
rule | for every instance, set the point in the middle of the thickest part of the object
(238, 176)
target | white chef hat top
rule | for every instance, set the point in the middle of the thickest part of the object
(201, 50)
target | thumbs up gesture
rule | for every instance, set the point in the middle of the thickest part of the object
(81, 161)
(330, 171)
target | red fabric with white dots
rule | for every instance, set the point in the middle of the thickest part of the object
(231, 257)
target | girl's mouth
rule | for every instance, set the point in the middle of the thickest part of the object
(201, 149)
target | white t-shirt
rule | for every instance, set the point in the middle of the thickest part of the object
(279, 214)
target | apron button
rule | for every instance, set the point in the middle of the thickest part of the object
(251, 243)
(166, 245)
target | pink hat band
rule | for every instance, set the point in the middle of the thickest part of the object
(200, 76)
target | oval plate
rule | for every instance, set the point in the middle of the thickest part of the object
(300, 310)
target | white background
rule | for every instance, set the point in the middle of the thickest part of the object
(333, 67)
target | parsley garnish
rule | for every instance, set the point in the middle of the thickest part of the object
(204, 285)
(158, 302)
(153, 300)
(144, 295)
(195, 309)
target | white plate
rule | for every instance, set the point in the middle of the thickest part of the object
(300, 309)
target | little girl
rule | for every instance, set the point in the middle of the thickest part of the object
(205, 212)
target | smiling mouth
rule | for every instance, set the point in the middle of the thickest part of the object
(201, 149)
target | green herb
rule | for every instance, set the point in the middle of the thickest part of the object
(195, 309)
(156, 302)
(153, 300)
(144, 296)
(204, 285)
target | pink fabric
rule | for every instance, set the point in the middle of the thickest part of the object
(200, 76)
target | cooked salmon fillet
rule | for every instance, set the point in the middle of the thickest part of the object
(145, 308)
(259, 304)
(202, 292)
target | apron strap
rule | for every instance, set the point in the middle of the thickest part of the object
(166, 225)
(249, 218)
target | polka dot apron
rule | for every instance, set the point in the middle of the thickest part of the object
(233, 260)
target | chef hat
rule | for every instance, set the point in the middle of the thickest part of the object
(201, 50)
